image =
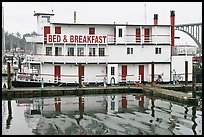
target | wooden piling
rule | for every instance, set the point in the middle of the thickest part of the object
(9, 75)
(194, 82)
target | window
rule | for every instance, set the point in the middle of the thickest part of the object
(47, 17)
(112, 70)
(92, 51)
(129, 50)
(58, 51)
(80, 51)
(91, 31)
(157, 50)
(101, 51)
(120, 33)
(48, 50)
(70, 51)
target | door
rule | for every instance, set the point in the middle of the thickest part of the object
(57, 74)
(146, 35)
(141, 72)
(46, 31)
(124, 72)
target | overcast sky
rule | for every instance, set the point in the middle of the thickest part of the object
(18, 16)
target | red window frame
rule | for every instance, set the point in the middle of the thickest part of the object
(57, 30)
(91, 31)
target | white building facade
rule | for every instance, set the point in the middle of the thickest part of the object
(116, 52)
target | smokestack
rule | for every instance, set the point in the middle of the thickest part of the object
(74, 16)
(172, 19)
(155, 19)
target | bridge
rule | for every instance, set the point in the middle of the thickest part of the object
(194, 30)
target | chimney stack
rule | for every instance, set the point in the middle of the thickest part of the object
(172, 19)
(155, 19)
(74, 16)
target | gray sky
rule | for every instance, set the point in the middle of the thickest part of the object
(18, 16)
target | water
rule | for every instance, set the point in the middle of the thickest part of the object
(115, 114)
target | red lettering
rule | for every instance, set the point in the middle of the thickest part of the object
(71, 38)
(76, 38)
(96, 40)
(89, 39)
(54, 38)
(92, 39)
(65, 38)
(50, 38)
(80, 39)
(58, 38)
(84, 39)
(104, 37)
(100, 39)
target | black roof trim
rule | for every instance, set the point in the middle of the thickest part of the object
(36, 14)
(105, 24)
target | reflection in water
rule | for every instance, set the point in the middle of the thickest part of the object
(124, 103)
(185, 112)
(193, 119)
(152, 107)
(58, 105)
(8, 121)
(81, 109)
(111, 114)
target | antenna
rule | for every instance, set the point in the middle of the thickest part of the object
(145, 14)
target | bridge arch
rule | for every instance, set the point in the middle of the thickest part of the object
(193, 30)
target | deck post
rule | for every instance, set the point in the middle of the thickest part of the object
(79, 75)
(9, 75)
(152, 71)
(186, 72)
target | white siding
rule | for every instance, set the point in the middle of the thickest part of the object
(94, 73)
(144, 53)
(178, 63)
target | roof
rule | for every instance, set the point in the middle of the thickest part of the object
(106, 24)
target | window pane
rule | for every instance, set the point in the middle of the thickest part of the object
(70, 51)
(101, 51)
(131, 50)
(48, 50)
(80, 51)
(112, 70)
(128, 50)
(156, 50)
(92, 52)
(120, 33)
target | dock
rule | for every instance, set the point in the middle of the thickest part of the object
(172, 95)
(61, 91)
(161, 92)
